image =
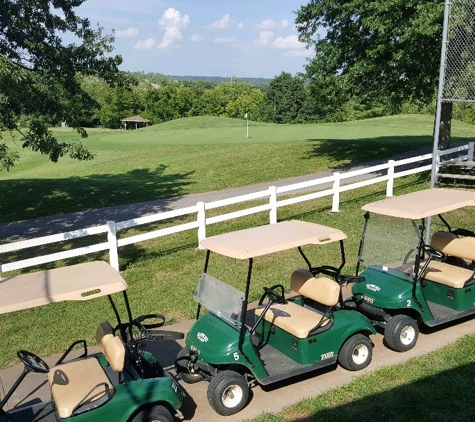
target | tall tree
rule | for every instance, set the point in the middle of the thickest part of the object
(38, 73)
(386, 50)
(286, 98)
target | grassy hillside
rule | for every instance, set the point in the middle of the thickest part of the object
(196, 155)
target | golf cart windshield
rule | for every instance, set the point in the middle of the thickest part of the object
(395, 226)
(390, 243)
(219, 298)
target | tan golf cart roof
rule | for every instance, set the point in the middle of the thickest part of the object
(76, 282)
(422, 204)
(257, 241)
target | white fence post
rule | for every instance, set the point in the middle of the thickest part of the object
(470, 151)
(201, 218)
(113, 251)
(336, 193)
(390, 183)
(273, 204)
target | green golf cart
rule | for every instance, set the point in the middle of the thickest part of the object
(285, 336)
(124, 382)
(412, 277)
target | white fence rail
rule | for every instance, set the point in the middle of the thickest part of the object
(386, 172)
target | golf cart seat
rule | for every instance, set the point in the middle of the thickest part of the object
(81, 385)
(298, 320)
(448, 274)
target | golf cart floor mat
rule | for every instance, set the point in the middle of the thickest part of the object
(275, 361)
(443, 314)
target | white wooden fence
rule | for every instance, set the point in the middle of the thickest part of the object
(386, 172)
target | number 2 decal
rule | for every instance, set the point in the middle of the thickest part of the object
(409, 303)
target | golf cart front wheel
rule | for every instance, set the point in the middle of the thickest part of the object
(401, 333)
(228, 393)
(186, 368)
(154, 414)
(356, 353)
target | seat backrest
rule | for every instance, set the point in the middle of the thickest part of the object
(111, 346)
(450, 244)
(322, 290)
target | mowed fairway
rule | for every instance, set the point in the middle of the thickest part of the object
(199, 154)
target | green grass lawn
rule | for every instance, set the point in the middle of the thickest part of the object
(197, 155)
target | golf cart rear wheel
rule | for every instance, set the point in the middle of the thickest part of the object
(154, 414)
(401, 333)
(185, 367)
(228, 393)
(356, 353)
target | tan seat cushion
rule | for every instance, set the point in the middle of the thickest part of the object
(111, 346)
(322, 290)
(449, 275)
(293, 318)
(448, 243)
(72, 382)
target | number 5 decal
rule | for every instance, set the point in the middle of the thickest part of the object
(236, 356)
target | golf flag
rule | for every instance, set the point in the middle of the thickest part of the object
(245, 116)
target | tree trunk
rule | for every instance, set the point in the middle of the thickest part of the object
(445, 125)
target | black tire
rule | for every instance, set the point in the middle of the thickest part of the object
(184, 367)
(157, 413)
(228, 393)
(356, 353)
(401, 333)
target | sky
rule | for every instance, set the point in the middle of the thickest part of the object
(228, 38)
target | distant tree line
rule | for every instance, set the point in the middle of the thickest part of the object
(283, 99)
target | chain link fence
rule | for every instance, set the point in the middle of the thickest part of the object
(459, 80)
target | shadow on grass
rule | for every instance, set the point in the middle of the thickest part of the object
(440, 397)
(28, 198)
(368, 150)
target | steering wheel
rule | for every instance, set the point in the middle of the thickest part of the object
(273, 295)
(433, 252)
(32, 362)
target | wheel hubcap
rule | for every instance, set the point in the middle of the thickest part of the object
(360, 354)
(407, 335)
(232, 396)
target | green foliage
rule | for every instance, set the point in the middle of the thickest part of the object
(386, 52)
(40, 72)
(230, 99)
(286, 97)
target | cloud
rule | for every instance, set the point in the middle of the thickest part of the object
(224, 40)
(290, 42)
(196, 38)
(240, 26)
(270, 25)
(265, 38)
(127, 33)
(147, 44)
(223, 23)
(172, 22)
